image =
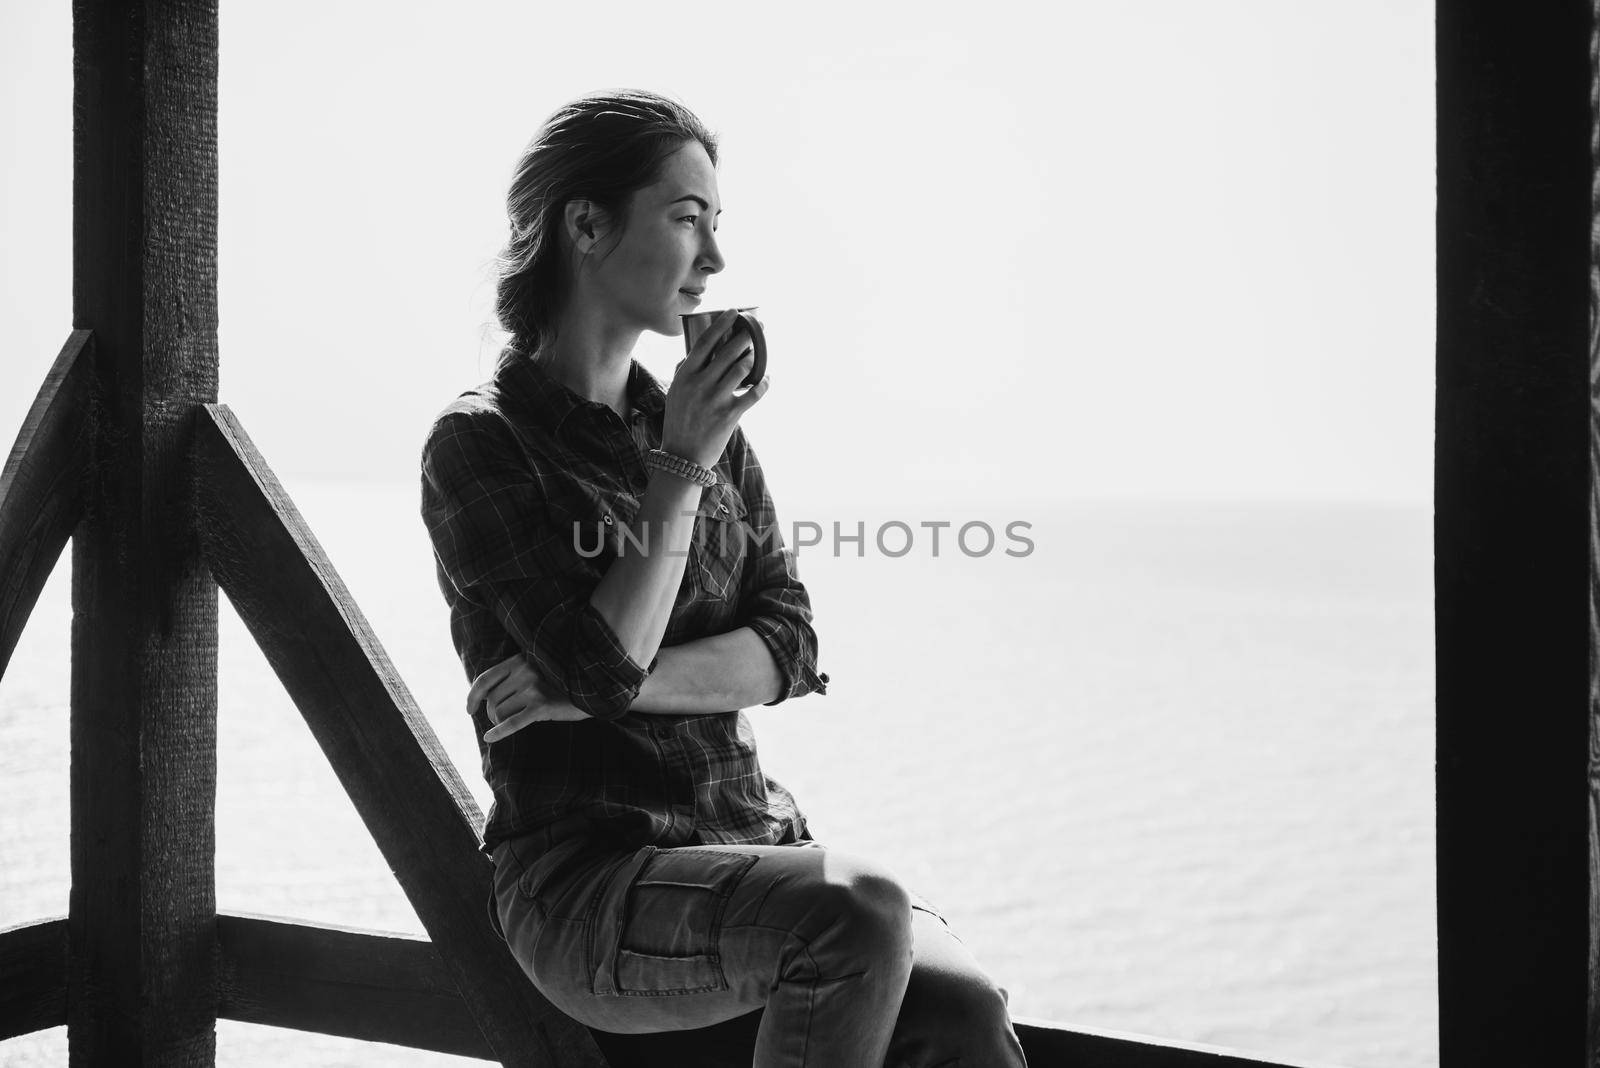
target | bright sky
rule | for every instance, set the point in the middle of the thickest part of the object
(1004, 252)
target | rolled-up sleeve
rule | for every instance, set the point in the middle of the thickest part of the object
(500, 545)
(772, 600)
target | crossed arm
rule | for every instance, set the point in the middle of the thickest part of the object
(712, 674)
(584, 646)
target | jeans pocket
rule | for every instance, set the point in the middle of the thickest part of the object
(667, 938)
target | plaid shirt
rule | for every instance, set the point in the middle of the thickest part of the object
(526, 491)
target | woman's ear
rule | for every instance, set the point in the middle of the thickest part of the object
(585, 224)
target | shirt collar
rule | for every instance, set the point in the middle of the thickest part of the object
(552, 402)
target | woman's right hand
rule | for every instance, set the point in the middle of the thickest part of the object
(515, 695)
(701, 409)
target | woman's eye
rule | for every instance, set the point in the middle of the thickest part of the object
(691, 219)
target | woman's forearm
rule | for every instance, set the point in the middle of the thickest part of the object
(717, 674)
(637, 592)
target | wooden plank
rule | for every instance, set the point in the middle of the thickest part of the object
(1048, 1044)
(41, 495)
(380, 745)
(1512, 534)
(366, 985)
(33, 977)
(381, 987)
(142, 916)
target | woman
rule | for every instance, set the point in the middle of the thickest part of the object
(618, 591)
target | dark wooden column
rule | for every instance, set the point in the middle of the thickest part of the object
(1512, 533)
(1592, 1047)
(142, 927)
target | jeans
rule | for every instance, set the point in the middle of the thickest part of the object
(848, 969)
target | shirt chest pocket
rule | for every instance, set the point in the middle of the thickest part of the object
(717, 550)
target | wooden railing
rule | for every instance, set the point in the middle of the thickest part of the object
(459, 990)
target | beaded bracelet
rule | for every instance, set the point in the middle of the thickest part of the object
(677, 465)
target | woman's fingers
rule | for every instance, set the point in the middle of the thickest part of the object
(754, 393)
(502, 682)
(516, 681)
(559, 712)
(707, 342)
(511, 725)
(737, 371)
(488, 679)
(522, 686)
(732, 348)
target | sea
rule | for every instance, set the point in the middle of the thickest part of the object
(1166, 766)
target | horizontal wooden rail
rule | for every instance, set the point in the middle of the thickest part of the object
(404, 786)
(381, 987)
(41, 494)
(1052, 1043)
(33, 977)
(336, 981)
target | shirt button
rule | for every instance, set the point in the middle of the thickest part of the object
(722, 508)
(608, 519)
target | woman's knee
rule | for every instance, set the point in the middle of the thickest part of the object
(867, 911)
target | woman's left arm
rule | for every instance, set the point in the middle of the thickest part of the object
(718, 673)
(703, 677)
(709, 675)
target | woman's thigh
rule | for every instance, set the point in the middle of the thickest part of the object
(655, 940)
(662, 939)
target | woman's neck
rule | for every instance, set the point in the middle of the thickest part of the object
(591, 358)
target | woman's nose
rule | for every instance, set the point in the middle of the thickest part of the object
(711, 255)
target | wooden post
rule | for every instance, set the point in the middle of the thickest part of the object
(142, 982)
(1512, 534)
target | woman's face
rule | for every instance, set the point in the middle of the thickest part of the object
(668, 246)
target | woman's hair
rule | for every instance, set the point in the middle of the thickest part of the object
(599, 148)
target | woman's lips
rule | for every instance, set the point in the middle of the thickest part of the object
(692, 296)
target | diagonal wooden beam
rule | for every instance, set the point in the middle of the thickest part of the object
(403, 784)
(41, 490)
(33, 977)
